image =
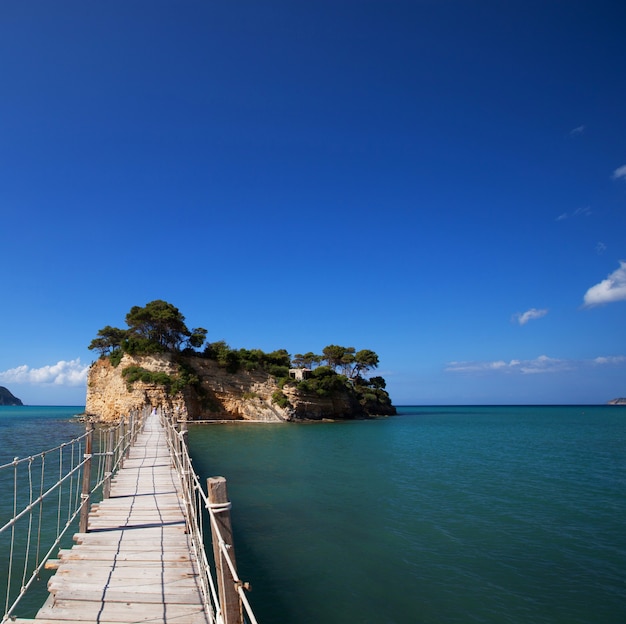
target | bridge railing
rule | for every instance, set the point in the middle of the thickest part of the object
(208, 514)
(45, 495)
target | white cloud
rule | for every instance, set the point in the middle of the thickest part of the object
(544, 364)
(579, 212)
(610, 359)
(523, 317)
(483, 367)
(620, 172)
(577, 130)
(63, 373)
(613, 288)
(539, 365)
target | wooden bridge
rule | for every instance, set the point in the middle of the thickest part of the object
(135, 558)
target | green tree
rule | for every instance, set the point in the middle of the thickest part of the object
(298, 360)
(306, 360)
(159, 323)
(280, 357)
(347, 360)
(364, 360)
(108, 340)
(378, 383)
(222, 353)
(336, 356)
(197, 338)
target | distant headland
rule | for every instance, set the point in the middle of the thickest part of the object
(7, 398)
(620, 401)
(159, 361)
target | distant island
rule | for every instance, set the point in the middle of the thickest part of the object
(159, 361)
(7, 398)
(620, 401)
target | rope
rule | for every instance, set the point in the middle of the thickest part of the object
(218, 507)
(30, 521)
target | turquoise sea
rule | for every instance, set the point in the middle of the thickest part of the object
(437, 515)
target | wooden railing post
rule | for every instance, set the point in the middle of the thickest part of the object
(129, 436)
(182, 464)
(108, 464)
(122, 439)
(85, 494)
(230, 602)
(131, 428)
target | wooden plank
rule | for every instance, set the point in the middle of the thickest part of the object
(99, 573)
(130, 543)
(86, 564)
(110, 550)
(52, 564)
(154, 594)
(122, 612)
(150, 555)
(49, 621)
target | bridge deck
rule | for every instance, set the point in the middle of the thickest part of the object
(136, 563)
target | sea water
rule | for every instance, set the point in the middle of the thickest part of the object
(437, 515)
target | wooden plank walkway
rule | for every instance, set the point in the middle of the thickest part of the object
(136, 563)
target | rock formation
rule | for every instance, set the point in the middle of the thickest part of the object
(218, 395)
(7, 398)
(620, 401)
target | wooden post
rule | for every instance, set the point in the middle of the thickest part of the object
(229, 598)
(182, 453)
(129, 435)
(108, 464)
(122, 441)
(84, 505)
(131, 427)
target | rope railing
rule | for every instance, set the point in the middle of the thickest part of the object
(44, 495)
(201, 505)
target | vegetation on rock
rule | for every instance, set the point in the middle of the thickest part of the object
(159, 328)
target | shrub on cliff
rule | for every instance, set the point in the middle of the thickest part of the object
(323, 381)
(137, 373)
(276, 363)
(280, 399)
(172, 383)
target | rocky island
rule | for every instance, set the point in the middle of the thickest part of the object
(7, 398)
(157, 361)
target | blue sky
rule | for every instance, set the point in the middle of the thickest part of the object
(441, 181)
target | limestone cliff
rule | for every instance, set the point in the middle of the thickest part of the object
(218, 395)
(109, 396)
